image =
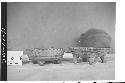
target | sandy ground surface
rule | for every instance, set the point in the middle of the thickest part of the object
(65, 71)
